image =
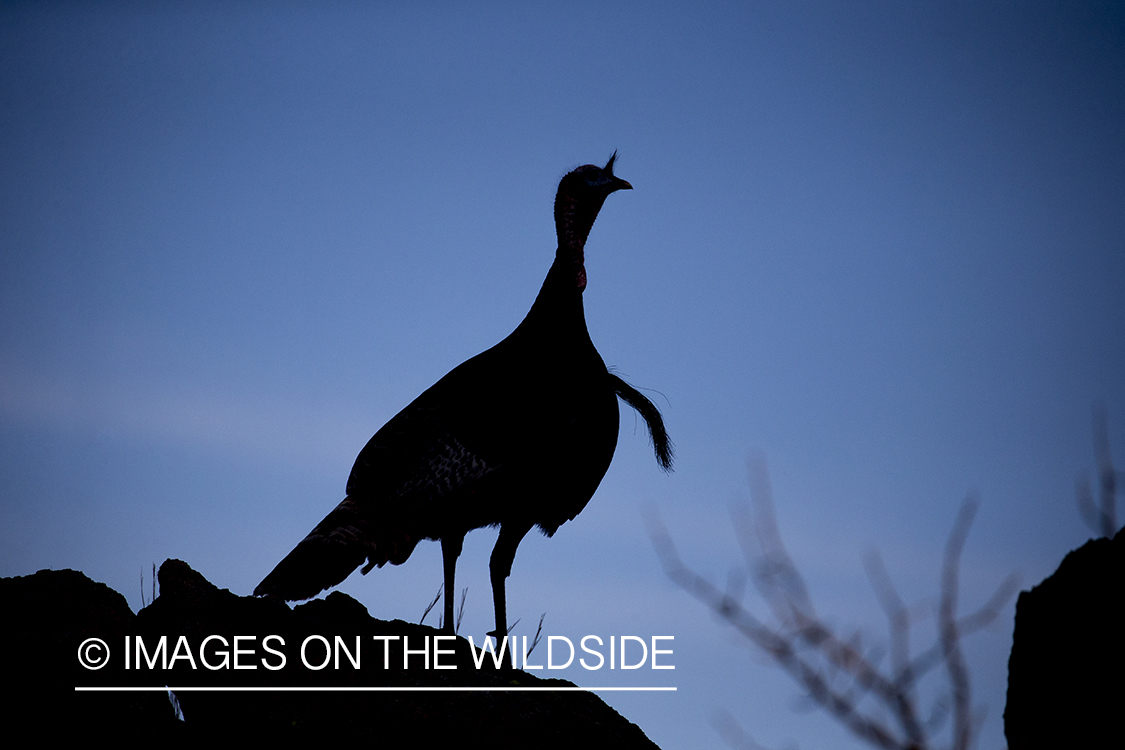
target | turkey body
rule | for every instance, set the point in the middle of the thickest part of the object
(521, 433)
(518, 436)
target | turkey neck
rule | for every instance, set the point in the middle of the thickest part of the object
(557, 312)
(573, 220)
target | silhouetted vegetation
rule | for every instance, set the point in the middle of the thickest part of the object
(1101, 517)
(879, 704)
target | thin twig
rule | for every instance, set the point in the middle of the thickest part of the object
(735, 735)
(1107, 477)
(950, 635)
(1100, 516)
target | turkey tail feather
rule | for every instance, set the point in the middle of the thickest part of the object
(337, 546)
(313, 566)
(661, 443)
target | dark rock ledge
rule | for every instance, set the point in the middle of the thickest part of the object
(47, 615)
(1066, 673)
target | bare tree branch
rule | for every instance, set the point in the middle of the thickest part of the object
(835, 672)
(1107, 477)
(1101, 516)
(781, 648)
(950, 636)
(734, 735)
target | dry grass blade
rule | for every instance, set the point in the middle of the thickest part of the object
(431, 605)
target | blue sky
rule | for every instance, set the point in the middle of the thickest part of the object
(881, 243)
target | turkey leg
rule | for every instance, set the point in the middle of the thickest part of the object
(450, 551)
(500, 567)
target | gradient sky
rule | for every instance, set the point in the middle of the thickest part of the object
(881, 243)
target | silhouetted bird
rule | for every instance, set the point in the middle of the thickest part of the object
(518, 436)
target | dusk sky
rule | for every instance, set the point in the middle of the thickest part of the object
(880, 244)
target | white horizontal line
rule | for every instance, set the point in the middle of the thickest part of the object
(227, 689)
